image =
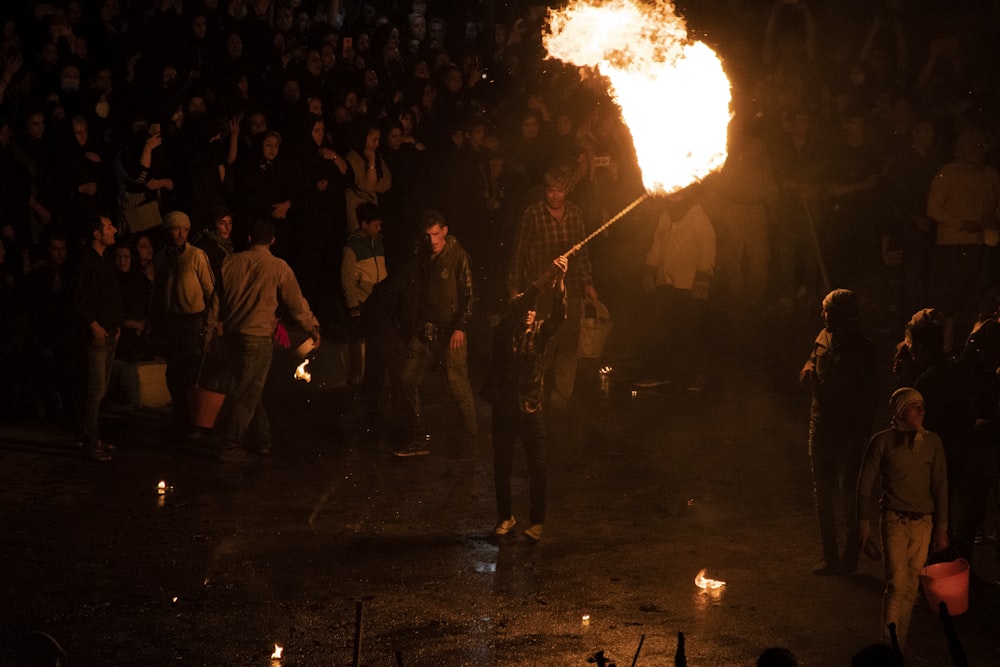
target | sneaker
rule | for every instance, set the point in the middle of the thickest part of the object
(415, 448)
(234, 455)
(534, 532)
(504, 526)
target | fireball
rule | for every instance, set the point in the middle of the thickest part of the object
(673, 93)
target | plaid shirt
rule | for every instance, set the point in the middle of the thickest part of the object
(540, 239)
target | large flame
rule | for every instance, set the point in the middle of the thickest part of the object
(673, 92)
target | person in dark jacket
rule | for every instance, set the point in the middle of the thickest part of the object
(97, 302)
(444, 298)
(842, 371)
(515, 387)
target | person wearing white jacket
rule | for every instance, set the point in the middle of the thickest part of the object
(679, 267)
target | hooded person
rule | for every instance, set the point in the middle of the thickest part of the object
(515, 387)
(843, 373)
(909, 463)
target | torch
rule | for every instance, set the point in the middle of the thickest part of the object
(672, 91)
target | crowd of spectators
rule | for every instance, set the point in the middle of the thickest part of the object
(275, 108)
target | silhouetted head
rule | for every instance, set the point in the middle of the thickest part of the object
(777, 656)
(840, 310)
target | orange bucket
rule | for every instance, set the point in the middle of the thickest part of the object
(204, 406)
(949, 583)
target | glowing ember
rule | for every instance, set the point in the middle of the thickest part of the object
(301, 373)
(708, 584)
(278, 650)
(673, 92)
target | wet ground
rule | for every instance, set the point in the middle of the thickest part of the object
(644, 491)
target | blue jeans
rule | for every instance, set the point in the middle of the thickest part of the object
(98, 377)
(244, 410)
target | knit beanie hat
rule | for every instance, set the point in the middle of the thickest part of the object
(176, 219)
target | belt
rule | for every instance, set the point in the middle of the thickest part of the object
(431, 331)
(913, 516)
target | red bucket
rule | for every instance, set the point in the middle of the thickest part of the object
(949, 583)
(204, 406)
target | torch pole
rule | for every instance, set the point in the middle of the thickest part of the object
(816, 246)
(621, 214)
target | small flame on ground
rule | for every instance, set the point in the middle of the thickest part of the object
(161, 488)
(301, 373)
(707, 584)
(278, 650)
(605, 370)
(673, 93)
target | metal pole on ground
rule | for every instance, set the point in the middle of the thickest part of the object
(358, 616)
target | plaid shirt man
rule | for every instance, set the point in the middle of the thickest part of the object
(540, 239)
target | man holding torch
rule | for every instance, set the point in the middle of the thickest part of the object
(548, 229)
(515, 387)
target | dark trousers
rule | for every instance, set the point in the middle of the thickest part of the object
(672, 345)
(183, 347)
(836, 463)
(509, 426)
(97, 378)
(420, 355)
(385, 354)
